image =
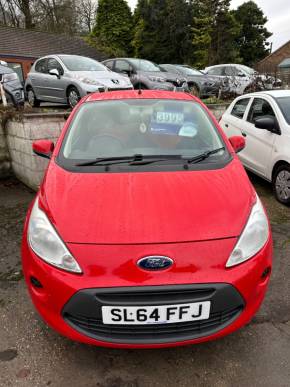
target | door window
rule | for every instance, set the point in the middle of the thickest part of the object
(40, 66)
(109, 64)
(240, 108)
(260, 108)
(232, 71)
(216, 71)
(52, 63)
(122, 66)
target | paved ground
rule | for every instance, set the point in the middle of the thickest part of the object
(33, 355)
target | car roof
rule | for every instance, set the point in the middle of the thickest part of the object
(135, 94)
(271, 93)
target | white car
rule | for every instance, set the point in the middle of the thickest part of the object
(264, 120)
(243, 78)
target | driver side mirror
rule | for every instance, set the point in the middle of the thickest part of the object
(267, 123)
(43, 148)
(54, 72)
(238, 143)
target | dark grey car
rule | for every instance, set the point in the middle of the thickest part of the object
(199, 84)
(12, 86)
(146, 74)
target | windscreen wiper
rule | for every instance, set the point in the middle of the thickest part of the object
(203, 156)
(137, 159)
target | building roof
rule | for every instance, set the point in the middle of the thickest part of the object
(274, 52)
(18, 42)
(285, 63)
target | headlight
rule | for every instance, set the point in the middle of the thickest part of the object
(156, 79)
(253, 238)
(46, 243)
(10, 77)
(88, 81)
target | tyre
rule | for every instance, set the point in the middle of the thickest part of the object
(281, 184)
(73, 96)
(32, 100)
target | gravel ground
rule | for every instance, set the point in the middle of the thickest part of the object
(33, 355)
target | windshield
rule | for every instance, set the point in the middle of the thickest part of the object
(247, 69)
(125, 128)
(81, 63)
(144, 65)
(284, 104)
(188, 70)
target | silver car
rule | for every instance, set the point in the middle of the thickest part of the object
(68, 78)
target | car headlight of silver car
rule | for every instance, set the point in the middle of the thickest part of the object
(47, 244)
(156, 79)
(253, 238)
(88, 81)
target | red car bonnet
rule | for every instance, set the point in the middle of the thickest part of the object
(149, 207)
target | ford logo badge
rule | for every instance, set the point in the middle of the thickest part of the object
(155, 262)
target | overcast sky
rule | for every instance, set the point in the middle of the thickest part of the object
(278, 13)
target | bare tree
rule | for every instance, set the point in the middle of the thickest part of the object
(87, 11)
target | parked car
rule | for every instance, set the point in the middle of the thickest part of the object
(11, 85)
(199, 84)
(146, 231)
(264, 119)
(242, 78)
(68, 78)
(147, 75)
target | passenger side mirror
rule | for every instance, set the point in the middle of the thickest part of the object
(54, 72)
(43, 148)
(127, 72)
(267, 123)
(238, 143)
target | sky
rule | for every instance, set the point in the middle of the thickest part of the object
(277, 12)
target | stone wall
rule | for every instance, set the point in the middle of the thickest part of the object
(22, 130)
(5, 164)
(21, 133)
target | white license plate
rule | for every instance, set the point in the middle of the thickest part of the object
(161, 314)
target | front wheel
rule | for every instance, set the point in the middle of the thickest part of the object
(73, 96)
(31, 97)
(281, 184)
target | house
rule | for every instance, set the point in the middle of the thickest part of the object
(20, 47)
(275, 63)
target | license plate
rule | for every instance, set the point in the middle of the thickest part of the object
(161, 314)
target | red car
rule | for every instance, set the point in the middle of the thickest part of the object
(146, 231)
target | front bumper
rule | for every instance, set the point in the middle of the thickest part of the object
(88, 89)
(70, 303)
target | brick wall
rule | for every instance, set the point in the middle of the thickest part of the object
(271, 62)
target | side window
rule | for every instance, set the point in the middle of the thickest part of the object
(122, 65)
(240, 108)
(54, 64)
(216, 71)
(260, 108)
(109, 64)
(40, 66)
(231, 71)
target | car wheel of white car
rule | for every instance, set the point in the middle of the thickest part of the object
(32, 100)
(73, 96)
(281, 184)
